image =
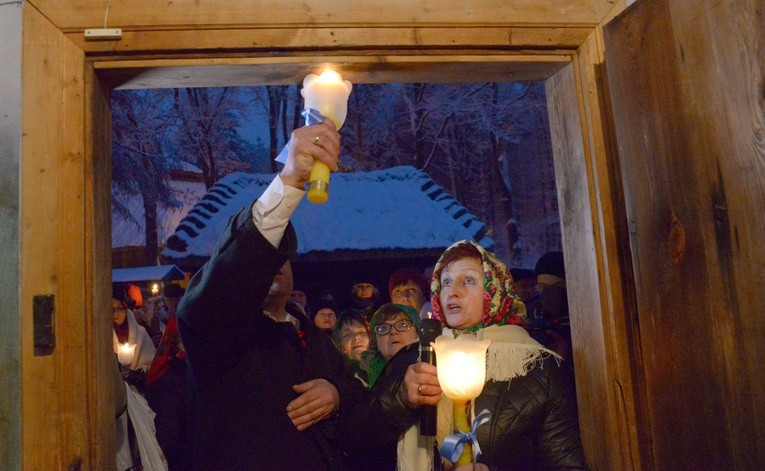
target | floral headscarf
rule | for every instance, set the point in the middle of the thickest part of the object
(501, 306)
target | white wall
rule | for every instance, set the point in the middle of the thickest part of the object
(10, 142)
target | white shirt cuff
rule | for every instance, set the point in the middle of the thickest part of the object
(272, 211)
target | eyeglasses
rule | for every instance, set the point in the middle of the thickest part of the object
(401, 326)
(405, 292)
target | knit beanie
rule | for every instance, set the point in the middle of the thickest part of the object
(326, 302)
(551, 263)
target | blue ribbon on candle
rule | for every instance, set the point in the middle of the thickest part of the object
(311, 117)
(452, 446)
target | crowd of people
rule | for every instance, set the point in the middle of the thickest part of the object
(241, 371)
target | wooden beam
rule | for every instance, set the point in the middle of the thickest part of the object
(54, 392)
(71, 15)
(97, 272)
(620, 414)
(259, 71)
(688, 108)
(241, 39)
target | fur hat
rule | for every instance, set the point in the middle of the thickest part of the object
(406, 274)
(551, 263)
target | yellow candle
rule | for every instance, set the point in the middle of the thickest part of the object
(328, 94)
(461, 412)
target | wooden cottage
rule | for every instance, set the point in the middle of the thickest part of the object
(656, 118)
(373, 224)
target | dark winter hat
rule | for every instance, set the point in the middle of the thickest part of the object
(327, 301)
(174, 290)
(406, 274)
(551, 263)
(523, 274)
(121, 292)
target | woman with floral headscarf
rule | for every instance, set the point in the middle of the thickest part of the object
(533, 422)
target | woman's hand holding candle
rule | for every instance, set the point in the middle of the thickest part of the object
(421, 387)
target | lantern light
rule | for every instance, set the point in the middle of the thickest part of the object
(125, 352)
(461, 365)
(462, 374)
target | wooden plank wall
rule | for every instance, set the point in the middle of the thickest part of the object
(574, 200)
(618, 321)
(97, 270)
(690, 120)
(53, 385)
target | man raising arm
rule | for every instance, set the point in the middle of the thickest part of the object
(264, 379)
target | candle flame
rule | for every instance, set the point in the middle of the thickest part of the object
(330, 75)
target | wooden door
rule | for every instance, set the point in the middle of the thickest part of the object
(686, 81)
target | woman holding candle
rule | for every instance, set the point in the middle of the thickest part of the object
(533, 422)
(132, 345)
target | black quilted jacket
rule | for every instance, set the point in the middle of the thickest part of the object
(534, 422)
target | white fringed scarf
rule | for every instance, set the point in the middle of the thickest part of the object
(512, 354)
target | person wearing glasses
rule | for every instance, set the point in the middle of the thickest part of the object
(372, 433)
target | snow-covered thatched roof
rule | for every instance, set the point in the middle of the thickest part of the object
(150, 273)
(395, 209)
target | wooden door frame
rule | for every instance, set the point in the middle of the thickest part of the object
(57, 433)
